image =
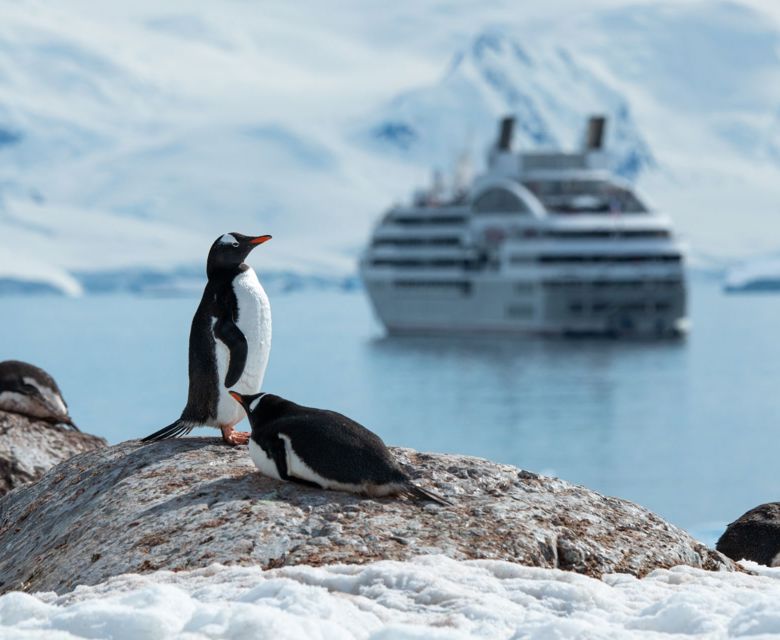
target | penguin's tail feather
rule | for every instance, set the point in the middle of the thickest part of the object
(418, 493)
(174, 430)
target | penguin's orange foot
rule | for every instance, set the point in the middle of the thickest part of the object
(233, 437)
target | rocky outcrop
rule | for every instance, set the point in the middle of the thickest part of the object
(754, 536)
(182, 504)
(30, 447)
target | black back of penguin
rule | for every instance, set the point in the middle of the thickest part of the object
(333, 445)
(204, 386)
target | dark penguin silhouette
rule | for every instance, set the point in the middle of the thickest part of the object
(30, 391)
(323, 449)
(230, 341)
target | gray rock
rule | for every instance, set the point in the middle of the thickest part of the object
(182, 504)
(30, 447)
(754, 536)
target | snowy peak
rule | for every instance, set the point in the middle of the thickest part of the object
(549, 89)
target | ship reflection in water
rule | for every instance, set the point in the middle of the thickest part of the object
(543, 242)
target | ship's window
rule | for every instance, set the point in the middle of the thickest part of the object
(576, 307)
(618, 284)
(662, 306)
(498, 200)
(606, 258)
(585, 196)
(413, 264)
(425, 220)
(417, 242)
(464, 286)
(605, 233)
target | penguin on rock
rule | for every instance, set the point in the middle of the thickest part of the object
(323, 449)
(30, 391)
(230, 341)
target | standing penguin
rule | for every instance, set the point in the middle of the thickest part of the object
(323, 449)
(30, 391)
(230, 341)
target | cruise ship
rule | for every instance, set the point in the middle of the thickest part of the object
(542, 242)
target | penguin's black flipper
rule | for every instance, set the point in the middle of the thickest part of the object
(418, 493)
(229, 333)
(173, 430)
(278, 451)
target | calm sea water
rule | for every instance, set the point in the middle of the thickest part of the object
(687, 428)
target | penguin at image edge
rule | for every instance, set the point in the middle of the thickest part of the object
(323, 449)
(230, 341)
(30, 391)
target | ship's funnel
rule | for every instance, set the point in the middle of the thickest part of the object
(594, 138)
(505, 133)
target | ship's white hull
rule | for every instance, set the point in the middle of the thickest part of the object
(493, 304)
(541, 242)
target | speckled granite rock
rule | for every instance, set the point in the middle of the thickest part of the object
(182, 504)
(755, 536)
(30, 447)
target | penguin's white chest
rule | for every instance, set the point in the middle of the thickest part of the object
(254, 321)
(264, 463)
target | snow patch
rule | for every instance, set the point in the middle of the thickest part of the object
(429, 597)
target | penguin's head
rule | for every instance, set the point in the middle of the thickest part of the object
(230, 250)
(29, 390)
(248, 401)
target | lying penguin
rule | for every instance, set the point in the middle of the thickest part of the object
(323, 449)
(30, 391)
(230, 341)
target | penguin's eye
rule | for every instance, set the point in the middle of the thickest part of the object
(235, 244)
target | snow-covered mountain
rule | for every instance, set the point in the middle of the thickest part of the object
(132, 135)
(549, 90)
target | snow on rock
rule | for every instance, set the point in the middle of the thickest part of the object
(30, 447)
(184, 504)
(427, 597)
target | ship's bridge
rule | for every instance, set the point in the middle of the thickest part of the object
(504, 198)
(585, 192)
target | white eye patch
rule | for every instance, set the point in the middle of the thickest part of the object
(228, 239)
(256, 402)
(53, 399)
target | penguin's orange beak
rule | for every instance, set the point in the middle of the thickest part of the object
(259, 239)
(237, 397)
